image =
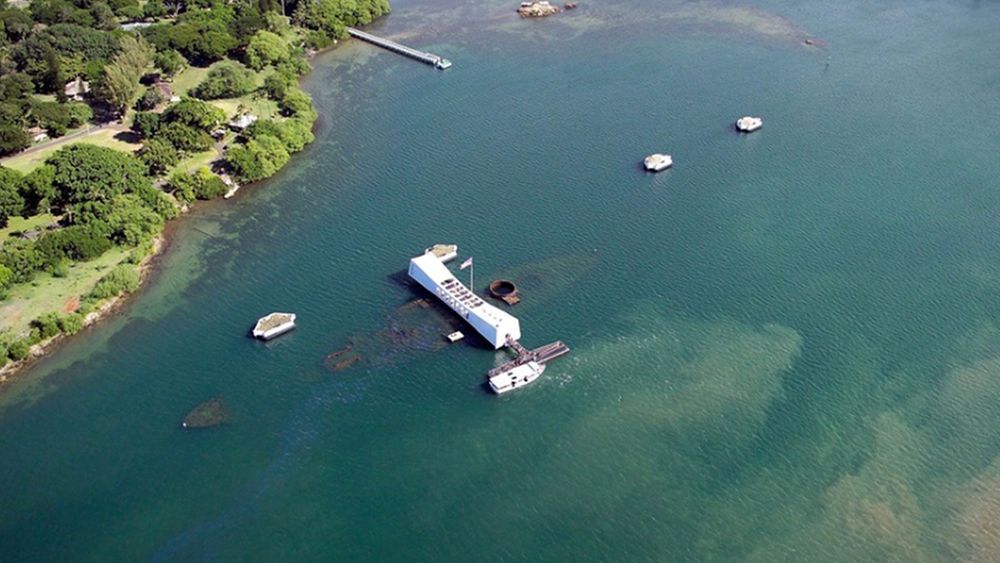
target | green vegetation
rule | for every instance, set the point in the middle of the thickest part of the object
(229, 79)
(79, 215)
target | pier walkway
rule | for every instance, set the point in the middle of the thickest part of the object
(422, 56)
(542, 354)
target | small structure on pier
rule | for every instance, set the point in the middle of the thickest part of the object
(422, 56)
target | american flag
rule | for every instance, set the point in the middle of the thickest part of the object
(466, 264)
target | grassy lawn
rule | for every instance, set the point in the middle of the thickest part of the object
(21, 225)
(25, 163)
(189, 78)
(261, 106)
(47, 294)
(194, 162)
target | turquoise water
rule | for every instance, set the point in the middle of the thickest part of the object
(786, 348)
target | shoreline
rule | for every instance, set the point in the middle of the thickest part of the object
(148, 269)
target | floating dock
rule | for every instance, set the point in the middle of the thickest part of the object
(422, 56)
(542, 355)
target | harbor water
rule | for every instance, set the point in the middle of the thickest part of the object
(784, 348)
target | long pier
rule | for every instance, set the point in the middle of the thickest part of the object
(422, 56)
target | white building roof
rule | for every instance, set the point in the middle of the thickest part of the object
(495, 325)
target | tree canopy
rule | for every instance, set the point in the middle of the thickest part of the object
(89, 173)
(228, 79)
(266, 48)
(11, 201)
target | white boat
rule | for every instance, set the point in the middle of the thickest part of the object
(455, 336)
(443, 252)
(516, 377)
(748, 124)
(657, 162)
(273, 325)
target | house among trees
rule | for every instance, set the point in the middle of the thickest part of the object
(76, 89)
(38, 134)
(166, 92)
(241, 122)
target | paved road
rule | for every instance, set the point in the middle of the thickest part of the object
(115, 125)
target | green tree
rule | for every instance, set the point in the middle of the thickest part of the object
(78, 113)
(295, 134)
(88, 173)
(17, 24)
(277, 84)
(159, 155)
(146, 124)
(277, 23)
(170, 62)
(200, 184)
(20, 257)
(131, 221)
(296, 102)
(71, 323)
(13, 139)
(6, 277)
(19, 349)
(260, 158)
(59, 11)
(104, 17)
(16, 86)
(11, 202)
(266, 48)
(36, 188)
(184, 137)
(228, 79)
(182, 186)
(202, 36)
(52, 116)
(123, 279)
(119, 86)
(47, 325)
(76, 242)
(195, 113)
(154, 9)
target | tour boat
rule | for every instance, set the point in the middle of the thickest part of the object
(515, 377)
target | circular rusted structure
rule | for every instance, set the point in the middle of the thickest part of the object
(504, 290)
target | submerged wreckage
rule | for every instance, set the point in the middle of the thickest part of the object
(499, 328)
